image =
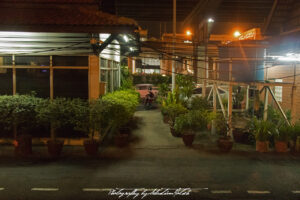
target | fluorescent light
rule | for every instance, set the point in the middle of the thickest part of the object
(131, 49)
(125, 38)
(290, 57)
(210, 20)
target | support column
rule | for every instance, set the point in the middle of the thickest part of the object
(51, 79)
(213, 130)
(94, 77)
(14, 75)
(266, 103)
(129, 63)
(293, 98)
(230, 101)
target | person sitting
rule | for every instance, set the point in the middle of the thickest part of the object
(149, 96)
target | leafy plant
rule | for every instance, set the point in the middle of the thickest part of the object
(283, 133)
(174, 110)
(222, 127)
(199, 103)
(186, 85)
(18, 112)
(262, 130)
(58, 112)
(126, 79)
(192, 121)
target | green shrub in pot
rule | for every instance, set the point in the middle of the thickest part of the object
(187, 124)
(263, 131)
(17, 114)
(58, 112)
(174, 110)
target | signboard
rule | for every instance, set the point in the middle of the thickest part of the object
(252, 34)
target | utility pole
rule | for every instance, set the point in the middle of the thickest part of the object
(174, 36)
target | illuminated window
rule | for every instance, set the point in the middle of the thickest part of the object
(278, 90)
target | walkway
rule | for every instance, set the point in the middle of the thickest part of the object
(152, 132)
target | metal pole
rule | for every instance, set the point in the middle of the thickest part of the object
(174, 35)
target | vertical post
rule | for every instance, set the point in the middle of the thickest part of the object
(111, 66)
(247, 97)
(51, 78)
(174, 36)
(266, 103)
(94, 77)
(14, 75)
(293, 97)
(213, 130)
(230, 100)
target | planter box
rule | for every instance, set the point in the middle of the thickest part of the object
(281, 147)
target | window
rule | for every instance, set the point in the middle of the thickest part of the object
(70, 83)
(33, 60)
(6, 83)
(33, 81)
(278, 90)
(70, 61)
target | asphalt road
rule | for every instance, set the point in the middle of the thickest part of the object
(151, 164)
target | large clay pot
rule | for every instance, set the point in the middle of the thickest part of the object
(23, 145)
(225, 144)
(121, 140)
(262, 146)
(55, 147)
(188, 138)
(91, 146)
(281, 147)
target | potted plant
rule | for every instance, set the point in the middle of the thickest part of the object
(120, 108)
(187, 124)
(263, 131)
(282, 137)
(224, 142)
(58, 112)
(88, 118)
(174, 110)
(18, 114)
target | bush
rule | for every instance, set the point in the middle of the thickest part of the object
(174, 110)
(59, 112)
(19, 111)
(262, 130)
(199, 103)
(193, 120)
(283, 133)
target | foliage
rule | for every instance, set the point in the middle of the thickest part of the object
(174, 110)
(59, 112)
(126, 79)
(262, 130)
(163, 91)
(19, 111)
(199, 103)
(193, 120)
(222, 127)
(283, 133)
(154, 79)
(186, 85)
(119, 107)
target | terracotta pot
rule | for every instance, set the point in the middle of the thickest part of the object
(174, 133)
(166, 119)
(281, 147)
(91, 147)
(121, 140)
(55, 147)
(225, 144)
(262, 146)
(188, 138)
(23, 145)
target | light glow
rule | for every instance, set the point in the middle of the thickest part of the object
(210, 20)
(237, 34)
(188, 33)
(125, 38)
(290, 57)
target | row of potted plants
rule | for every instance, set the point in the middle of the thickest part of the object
(20, 113)
(283, 134)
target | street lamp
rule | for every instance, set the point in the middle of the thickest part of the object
(237, 34)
